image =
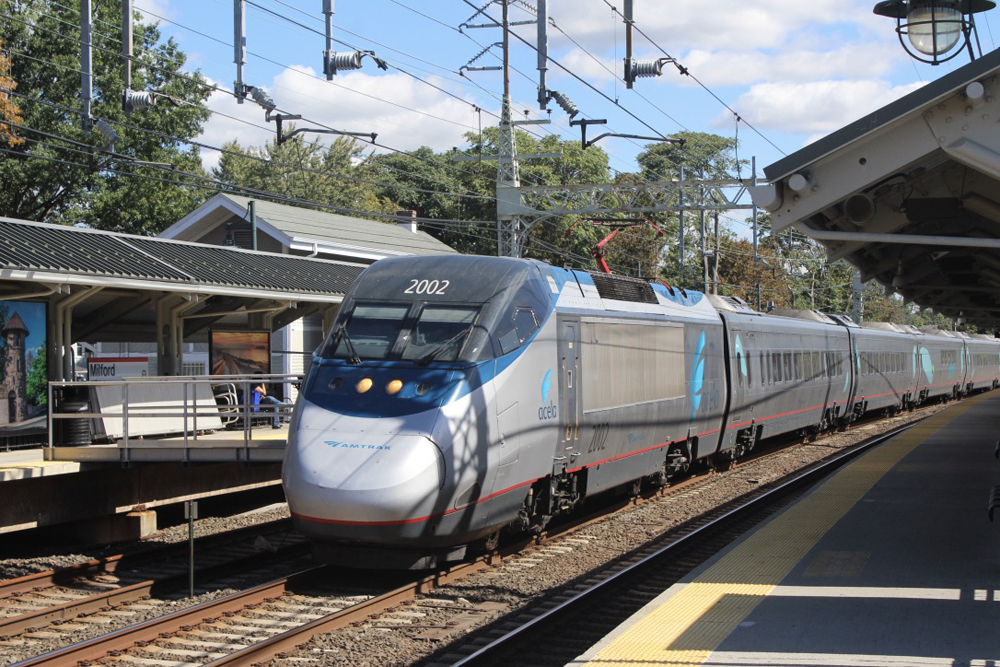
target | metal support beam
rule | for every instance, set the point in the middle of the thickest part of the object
(328, 52)
(239, 47)
(905, 239)
(86, 62)
(543, 52)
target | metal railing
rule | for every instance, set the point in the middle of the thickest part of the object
(181, 408)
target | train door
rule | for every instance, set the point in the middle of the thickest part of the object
(569, 381)
(739, 377)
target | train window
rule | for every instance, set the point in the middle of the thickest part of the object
(789, 373)
(525, 323)
(749, 369)
(807, 365)
(369, 333)
(440, 333)
(776, 366)
(739, 369)
(797, 363)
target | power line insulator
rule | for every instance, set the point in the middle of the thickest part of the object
(136, 100)
(564, 103)
(346, 60)
(107, 132)
(262, 98)
(647, 68)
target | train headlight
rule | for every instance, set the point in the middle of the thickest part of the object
(423, 388)
(393, 387)
(335, 383)
(363, 385)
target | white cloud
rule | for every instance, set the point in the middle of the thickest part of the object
(151, 9)
(733, 68)
(355, 102)
(727, 24)
(814, 108)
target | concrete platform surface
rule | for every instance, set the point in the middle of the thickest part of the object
(891, 561)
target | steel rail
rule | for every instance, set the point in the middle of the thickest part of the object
(62, 577)
(490, 652)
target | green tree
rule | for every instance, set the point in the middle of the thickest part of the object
(38, 379)
(436, 186)
(44, 180)
(306, 170)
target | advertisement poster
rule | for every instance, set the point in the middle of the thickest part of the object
(239, 352)
(24, 369)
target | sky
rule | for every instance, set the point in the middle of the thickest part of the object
(790, 71)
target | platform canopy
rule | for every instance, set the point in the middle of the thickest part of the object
(118, 287)
(909, 194)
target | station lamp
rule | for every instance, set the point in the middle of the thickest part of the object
(934, 28)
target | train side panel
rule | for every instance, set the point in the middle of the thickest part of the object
(885, 374)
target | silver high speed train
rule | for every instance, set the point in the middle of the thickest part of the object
(458, 396)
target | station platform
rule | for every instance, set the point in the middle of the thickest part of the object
(111, 492)
(890, 561)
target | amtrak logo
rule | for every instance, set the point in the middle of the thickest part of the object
(548, 410)
(352, 445)
(697, 376)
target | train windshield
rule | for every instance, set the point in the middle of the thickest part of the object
(440, 333)
(379, 331)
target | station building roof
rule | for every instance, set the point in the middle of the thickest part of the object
(295, 229)
(46, 253)
(909, 194)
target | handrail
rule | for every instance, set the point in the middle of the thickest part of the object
(182, 403)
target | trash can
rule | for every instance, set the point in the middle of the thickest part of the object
(73, 432)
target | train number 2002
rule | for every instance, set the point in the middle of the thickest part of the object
(427, 286)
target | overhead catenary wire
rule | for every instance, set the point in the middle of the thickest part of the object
(388, 148)
(687, 72)
(208, 86)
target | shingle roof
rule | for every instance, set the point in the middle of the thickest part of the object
(31, 246)
(315, 225)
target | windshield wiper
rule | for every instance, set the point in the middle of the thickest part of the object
(342, 335)
(433, 354)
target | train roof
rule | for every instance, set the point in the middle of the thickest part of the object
(586, 291)
(803, 314)
(884, 326)
(934, 331)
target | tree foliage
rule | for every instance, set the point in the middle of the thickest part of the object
(45, 180)
(10, 114)
(304, 170)
(38, 378)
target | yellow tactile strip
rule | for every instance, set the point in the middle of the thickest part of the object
(689, 625)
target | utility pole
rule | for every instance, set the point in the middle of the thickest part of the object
(510, 227)
(86, 62)
(857, 303)
(704, 241)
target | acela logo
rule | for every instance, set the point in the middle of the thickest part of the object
(548, 410)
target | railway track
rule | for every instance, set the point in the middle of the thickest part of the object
(57, 604)
(624, 588)
(267, 622)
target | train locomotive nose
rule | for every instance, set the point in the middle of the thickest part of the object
(362, 486)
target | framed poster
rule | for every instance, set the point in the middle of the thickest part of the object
(235, 352)
(24, 372)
